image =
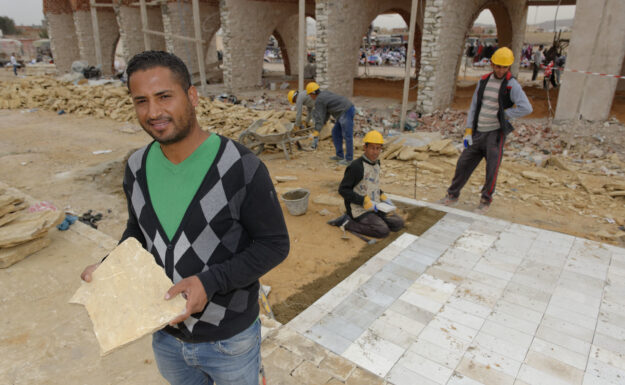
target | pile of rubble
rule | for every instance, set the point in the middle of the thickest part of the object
(113, 101)
(22, 231)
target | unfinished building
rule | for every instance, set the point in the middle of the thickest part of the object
(597, 45)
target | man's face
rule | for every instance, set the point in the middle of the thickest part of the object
(164, 109)
(372, 151)
(500, 71)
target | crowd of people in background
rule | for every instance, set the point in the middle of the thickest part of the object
(383, 55)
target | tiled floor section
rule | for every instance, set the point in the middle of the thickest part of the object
(474, 300)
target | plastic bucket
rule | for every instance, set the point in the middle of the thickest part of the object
(296, 201)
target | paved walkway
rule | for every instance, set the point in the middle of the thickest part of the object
(474, 300)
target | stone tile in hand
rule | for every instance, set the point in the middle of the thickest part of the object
(556, 337)
(363, 377)
(411, 311)
(400, 375)
(427, 368)
(337, 366)
(374, 353)
(329, 340)
(308, 373)
(560, 353)
(307, 319)
(456, 315)
(300, 345)
(568, 328)
(555, 368)
(484, 374)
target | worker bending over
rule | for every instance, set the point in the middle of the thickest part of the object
(301, 99)
(497, 98)
(326, 104)
(360, 188)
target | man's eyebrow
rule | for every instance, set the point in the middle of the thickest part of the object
(159, 93)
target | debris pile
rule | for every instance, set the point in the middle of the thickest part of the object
(22, 232)
(398, 149)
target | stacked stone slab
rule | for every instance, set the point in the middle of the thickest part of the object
(597, 45)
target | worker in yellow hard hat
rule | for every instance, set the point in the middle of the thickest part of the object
(369, 211)
(300, 99)
(498, 98)
(329, 104)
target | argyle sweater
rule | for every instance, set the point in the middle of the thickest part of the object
(232, 233)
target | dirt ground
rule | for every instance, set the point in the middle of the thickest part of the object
(51, 157)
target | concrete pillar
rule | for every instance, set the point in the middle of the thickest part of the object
(246, 27)
(341, 24)
(597, 45)
(109, 33)
(63, 41)
(445, 27)
(178, 19)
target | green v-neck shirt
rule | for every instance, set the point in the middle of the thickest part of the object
(173, 186)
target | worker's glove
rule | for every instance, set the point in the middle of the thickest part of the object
(386, 199)
(315, 143)
(369, 205)
(468, 137)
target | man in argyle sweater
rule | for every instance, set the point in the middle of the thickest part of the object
(205, 207)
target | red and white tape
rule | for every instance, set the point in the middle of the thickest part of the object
(595, 73)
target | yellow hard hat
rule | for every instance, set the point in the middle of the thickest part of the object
(503, 57)
(311, 87)
(373, 137)
(291, 96)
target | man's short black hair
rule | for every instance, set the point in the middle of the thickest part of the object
(150, 59)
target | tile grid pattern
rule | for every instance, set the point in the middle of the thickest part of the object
(480, 301)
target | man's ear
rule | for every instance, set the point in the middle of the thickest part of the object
(193, 95)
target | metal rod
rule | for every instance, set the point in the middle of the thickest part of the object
(103, 5)
(404, 103)
(186, 38)
(96, 34)
(144, 25)
(302, 44)
(198, 44)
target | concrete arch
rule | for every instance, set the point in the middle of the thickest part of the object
(283, 51)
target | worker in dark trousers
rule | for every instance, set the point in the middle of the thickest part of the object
(329, 104)
(498, 97)
(360, 188)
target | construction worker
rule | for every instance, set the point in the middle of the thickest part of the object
(206, 209)
(360, 188)
(498, 97)
(326, 104)
(300, 99)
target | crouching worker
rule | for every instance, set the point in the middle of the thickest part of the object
(360, 188)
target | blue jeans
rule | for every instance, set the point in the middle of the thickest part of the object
(344, 129)
(234, 361)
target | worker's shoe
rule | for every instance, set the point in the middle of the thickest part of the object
(448, 200)
(483, 207)
(344, 162)
(334, 157)
(339, 221)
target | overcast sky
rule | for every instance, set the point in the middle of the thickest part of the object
(28, 12)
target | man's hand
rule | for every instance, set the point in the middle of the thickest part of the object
(386, 199)
(369, 205)
(87, 273)
(468, 137)
(193, 291)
